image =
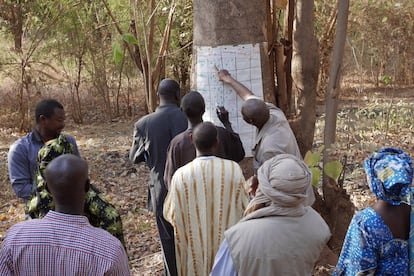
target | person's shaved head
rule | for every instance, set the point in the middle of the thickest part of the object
(169, 88)
(67, 180)
(255, 112)
(204, 137)
(192, 104)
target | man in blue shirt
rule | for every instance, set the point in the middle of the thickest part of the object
(22, 157)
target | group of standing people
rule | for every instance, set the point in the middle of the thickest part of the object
(210, 219)
(201, 191)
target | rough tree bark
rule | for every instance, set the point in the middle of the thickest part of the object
(237, 22)
(234, 22)
(288, 51)
(305, 64)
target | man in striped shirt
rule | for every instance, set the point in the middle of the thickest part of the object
(63, 242)
(205, 198)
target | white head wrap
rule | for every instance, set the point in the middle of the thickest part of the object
(283, 182)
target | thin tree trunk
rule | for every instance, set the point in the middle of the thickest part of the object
(325, 50)
(159, 68)
(332, 95)
(279, 64)
(76, 101)
(282, 95)
(332, 98)
(288, 51)
(22, 102)
(337, 203)
(271, 37)
(18, 27)
(118, 90)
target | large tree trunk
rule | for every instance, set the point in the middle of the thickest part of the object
(234, 22)
(241, 27)
(305, 64)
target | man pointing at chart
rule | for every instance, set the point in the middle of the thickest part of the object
(274, 135)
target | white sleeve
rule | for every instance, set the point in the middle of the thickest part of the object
(223, 263)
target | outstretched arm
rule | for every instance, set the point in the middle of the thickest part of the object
(241, 90)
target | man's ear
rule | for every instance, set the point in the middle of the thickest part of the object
(191, 137)
(250, 120)
(42, 118)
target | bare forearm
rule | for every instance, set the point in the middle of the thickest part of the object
(240, 89)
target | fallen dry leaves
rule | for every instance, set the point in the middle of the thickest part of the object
(106, 147)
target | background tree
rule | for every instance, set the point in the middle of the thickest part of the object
(337, 205)
(35, 21)
(305, 68)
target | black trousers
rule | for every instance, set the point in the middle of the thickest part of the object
(166, 233)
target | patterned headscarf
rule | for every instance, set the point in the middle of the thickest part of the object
(41, 200)
(390, 175)
(50, 151)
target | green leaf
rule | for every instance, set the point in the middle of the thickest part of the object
(387, 79)
(333, 169)
(320, 149)
(129, 38)
(312, 159)
(118, 54)
(316, 176)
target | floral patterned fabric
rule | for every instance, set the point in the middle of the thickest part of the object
(370, 249)
(97, 209)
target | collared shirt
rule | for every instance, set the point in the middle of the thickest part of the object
(182, 151)
(275, 137)
(22, 162)
(61, 244)
(152, 135)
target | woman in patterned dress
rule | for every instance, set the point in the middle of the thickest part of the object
(378, 240)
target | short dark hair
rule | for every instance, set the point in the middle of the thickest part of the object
(169, 88)
(204, 136)
(192, 104)
(46, 108)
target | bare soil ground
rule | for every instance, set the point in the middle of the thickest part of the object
(106, 145)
